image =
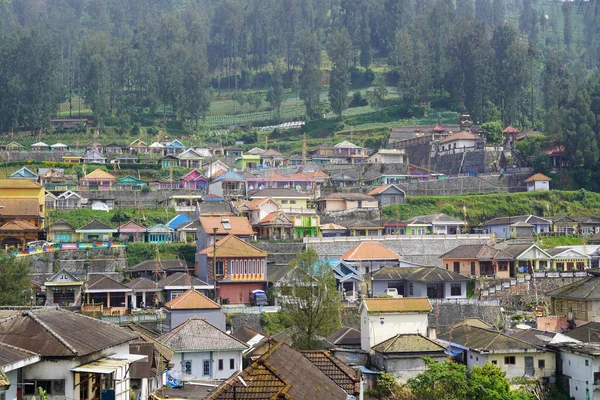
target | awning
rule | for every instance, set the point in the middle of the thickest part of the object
(109, 364)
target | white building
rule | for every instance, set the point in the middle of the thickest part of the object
(203, 351)
(460, 142)
(580, 365)
(388, 156)
(12, 361)
(381, 319)
(538, 182)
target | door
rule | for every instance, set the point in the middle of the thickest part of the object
(529, 368)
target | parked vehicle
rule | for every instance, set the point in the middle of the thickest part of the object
(258, 298)
(393, 292)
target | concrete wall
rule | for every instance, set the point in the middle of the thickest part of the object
(419, 289)
(214, 317)
(373, 331)
(78, 262)
(197, 359)
(446, 315)
(579, 375)
(404, 368)
(421, 251)
(516, 370)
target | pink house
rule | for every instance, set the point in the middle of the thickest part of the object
(98, 180)
(131, 232)
(194, 180)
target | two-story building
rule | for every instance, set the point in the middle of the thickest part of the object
(336, 202)
(238, 266)
(479, 260)
(579, 300)
(98, 180)
(430, 282)
(22, 208)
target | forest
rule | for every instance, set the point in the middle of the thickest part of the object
(529, 63)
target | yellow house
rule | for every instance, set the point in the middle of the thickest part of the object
(565, 259)
(290, 200)
(22, 207)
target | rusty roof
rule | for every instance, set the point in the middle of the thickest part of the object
(11, 354)
(227, 225)
(59, 333)
(370, 251)
(538, 177)
(232, 246)
(192, 300)
(19, 183)
(402, 305)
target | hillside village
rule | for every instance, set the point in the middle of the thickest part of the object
(190, 325)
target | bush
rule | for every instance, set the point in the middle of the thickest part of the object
(358, 100)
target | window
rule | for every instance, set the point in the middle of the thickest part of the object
(587, 363)
(220, 364)
(494, 362)
(284, 201)
(176, 293)
(187, 366)
(435, 290)
(205, 367)
(232, 363)
(446, 266)
(473, 272)
(471, 356)
(2, 395)
(52, 387)
(292, 201)
(219, 268)
(541, 363)
(457, 267)
(510, 360)
(411, 289)
(245, 267)
(455, 289)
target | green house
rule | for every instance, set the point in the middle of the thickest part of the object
(130, 183)
(247, 161)
(159, 234)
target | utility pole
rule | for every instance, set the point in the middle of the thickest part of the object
(215, 263)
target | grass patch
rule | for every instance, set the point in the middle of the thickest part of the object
(550, 242)
(486, 206)
(145, 216)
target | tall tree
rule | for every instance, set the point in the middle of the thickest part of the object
(15, 285)
(442, 381)
(310, 75)
(580, 142)
(275, 92)
(312, 301)
(567, 24)
(340, 52)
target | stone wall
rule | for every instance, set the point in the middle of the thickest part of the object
(426, 251)
(108, 261)
(445, 316)
(250, 320)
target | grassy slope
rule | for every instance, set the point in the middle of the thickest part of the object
(144, 216)
(487, 206)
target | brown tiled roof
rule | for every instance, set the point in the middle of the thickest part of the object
(335, 369)
(538, 177)
(192, 300)
(131, 227)
(239, 225)
(19, 207)
(511, 129)
(463, 135)
(405, 304)
(245, 333)
(61, 333)
(18, 183)
(198, 335)
(103, 282)
(18, 225)
(370, 251)
(232, 246)
(476, 251)
(281, 373)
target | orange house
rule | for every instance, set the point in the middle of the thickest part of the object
(21, 212)
(479, 260)
(239, 268)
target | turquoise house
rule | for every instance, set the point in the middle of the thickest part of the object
(25, 173)
(159, 234)
(130, 183)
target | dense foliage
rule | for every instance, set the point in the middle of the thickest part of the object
(15, 285)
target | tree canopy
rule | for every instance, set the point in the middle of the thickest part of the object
(15, 285)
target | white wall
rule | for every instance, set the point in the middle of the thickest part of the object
(573, 366)
(197, 359)
(373, 331)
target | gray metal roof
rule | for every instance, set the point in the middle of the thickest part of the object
(425, 274)
(198, 335)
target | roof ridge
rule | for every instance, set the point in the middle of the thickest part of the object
(10, 346)
(51, 331)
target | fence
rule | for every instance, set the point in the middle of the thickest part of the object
(69, 246)
(124, 319)
(241, 309)
(465, 301)
(312, 240)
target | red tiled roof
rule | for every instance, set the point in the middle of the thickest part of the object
(511, 129)
(370, 251)
(239, 225)
(379, 189)
(557, 150)
(191, 300)
(538, 177)
(18, 225)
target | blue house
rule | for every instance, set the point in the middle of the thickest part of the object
(25, 173)
(178, 220)
(501, 227)
(175, 147)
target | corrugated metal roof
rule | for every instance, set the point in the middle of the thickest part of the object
(403, 305)
(198, 335)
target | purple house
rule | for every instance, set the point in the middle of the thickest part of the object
(131, 232)
(194, 180)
